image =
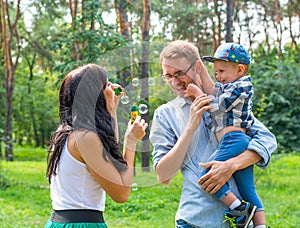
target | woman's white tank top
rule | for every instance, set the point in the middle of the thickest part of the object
(73, 187)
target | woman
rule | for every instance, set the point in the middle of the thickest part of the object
(84, 161)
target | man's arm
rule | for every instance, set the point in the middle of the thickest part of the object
(168, 157)
(171, 163)
(263, 142)
(259, 151)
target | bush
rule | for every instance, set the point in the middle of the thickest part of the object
(277, 97)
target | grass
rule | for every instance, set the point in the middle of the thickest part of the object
(25, 200)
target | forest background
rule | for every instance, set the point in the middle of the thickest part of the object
(42, 40)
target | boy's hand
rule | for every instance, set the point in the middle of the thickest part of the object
(193, 90)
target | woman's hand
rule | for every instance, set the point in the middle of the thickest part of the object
(135, 131)
(199, 105)
(116, 98)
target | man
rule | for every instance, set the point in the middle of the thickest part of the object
(181, 139)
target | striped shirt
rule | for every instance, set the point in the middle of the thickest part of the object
(232, 105)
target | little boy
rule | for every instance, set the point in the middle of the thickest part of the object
(231, 111)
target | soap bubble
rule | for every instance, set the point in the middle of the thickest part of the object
(135, 82)
(143, 108)
(134, 187)
(151, 81)
(124, 99)
(170, 3)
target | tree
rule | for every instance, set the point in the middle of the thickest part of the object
(218, 34)
(144, 79)
(90, 39)
(277, 22)
(34, 110)
(123, 7)
(87, 37)
(12, 49)
(229, 22)
(292, 9)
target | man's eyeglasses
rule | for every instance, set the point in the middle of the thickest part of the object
(178, 74)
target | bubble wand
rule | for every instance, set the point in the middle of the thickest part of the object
(119, 91)
(134, 112)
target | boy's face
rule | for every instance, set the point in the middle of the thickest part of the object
(226, 72)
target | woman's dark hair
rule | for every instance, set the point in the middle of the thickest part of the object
(82, 106)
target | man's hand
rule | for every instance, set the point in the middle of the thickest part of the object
(221, 172)
(218, 175)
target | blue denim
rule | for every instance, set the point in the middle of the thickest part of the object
(182, 224)
(231, 145)
(197, 207)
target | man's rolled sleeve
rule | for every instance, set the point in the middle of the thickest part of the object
(263, 143)
(161, 138)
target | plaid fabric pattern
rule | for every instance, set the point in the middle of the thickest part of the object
(232, 105)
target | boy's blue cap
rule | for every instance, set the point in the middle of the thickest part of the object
(230, 52)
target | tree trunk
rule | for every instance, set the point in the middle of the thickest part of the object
(9, 31)
(8, 127)
(123, 19)
(145, 148)
(0, 147)
(229, 22)
(124, 72)
(219, 26)
(36, 135)
(31, 104)
(294, 43)
(236, 18)
(277, 18)
(265, 21)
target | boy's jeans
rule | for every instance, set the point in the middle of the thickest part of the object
(231, 145)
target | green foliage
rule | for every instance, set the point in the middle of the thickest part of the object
(35, 106)
(276, 80)
(84, 43)
(277, 96)
(187, 18)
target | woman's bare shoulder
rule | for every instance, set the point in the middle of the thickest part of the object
(85, 135)
(86, 138)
